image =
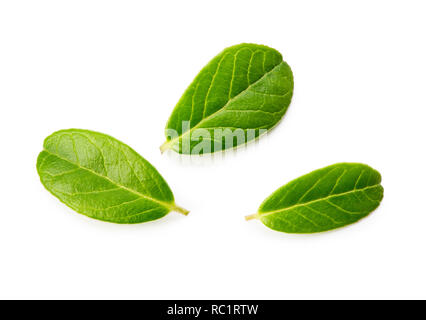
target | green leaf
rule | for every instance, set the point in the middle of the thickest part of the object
(102, 178)
(244, 91)
(322, 200)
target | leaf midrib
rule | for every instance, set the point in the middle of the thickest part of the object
(261, 214)
(167, 205)
(170, 142)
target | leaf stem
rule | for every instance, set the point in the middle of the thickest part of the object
(180, 210)
(252, 216)
(165, 146)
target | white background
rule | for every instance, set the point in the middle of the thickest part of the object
(119, 67)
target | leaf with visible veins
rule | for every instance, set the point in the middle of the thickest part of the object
(247, 87)
(102, 178)
(324, 199)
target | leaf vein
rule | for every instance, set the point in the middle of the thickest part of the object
(225, 106)
(343, 209)
(211, 84)
(164, 204)
(337, 181)
(317, 200)
(323, 215)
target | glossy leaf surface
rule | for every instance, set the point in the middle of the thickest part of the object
(247, 88)
(101, 177)
(322, 200)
